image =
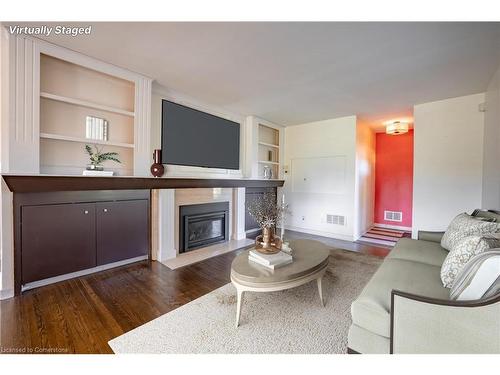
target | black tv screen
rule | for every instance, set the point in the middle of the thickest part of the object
(195, 138)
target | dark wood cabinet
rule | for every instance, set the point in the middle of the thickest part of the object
(122, 230)
(57, 239)
(65, 232)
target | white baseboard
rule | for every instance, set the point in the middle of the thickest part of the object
(320, 233)
(72, 275)
(397, 227)
(6, 293)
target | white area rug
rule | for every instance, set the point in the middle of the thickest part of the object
(290, 321)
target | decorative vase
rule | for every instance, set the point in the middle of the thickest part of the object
(94, 167)
(267, 242)
(267, 235)
(268, 172)
(157, 169)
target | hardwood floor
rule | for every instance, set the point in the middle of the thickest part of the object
(341, 244)
(81, 315)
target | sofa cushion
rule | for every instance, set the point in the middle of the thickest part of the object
(480, 277)
(465, 225)
(371, 310)
(427, 252)
(462, 252)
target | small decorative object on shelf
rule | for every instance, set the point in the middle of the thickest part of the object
(267, 213)
(96, 128)
(97, 157)
(268, 172)
(157, 169)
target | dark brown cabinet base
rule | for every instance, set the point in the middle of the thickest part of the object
(57, 239)
(62, 233)
(122, 230)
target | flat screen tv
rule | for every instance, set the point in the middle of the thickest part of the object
(195, 138)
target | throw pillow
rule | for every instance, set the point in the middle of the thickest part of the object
(465, 225)
(462, 252)
(480, 277)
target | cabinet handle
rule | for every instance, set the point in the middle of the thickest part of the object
(105, 210)
(86, 212)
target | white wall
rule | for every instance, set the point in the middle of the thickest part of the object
(364, 203)
(322, 155)
(491, 156)
(448, 160)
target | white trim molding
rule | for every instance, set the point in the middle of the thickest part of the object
(239, 213)
(142, 127)
(72, 275)
(319, 233)
(20, 125)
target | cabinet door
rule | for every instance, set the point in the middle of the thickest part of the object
(57, 239)
(122, 230)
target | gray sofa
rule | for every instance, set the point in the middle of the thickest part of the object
(405, 308)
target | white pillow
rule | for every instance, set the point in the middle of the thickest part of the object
(480, 278)
(462, 252)
(465, 225)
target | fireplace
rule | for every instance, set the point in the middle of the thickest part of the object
(203, 225)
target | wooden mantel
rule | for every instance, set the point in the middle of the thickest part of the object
(44, 183)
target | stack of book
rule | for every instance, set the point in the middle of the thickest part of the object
(270, 261)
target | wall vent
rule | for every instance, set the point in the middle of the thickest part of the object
(335, 219)
(393, 216)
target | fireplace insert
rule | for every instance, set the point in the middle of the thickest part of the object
(203, 225)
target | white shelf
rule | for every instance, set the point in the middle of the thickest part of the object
(269, 162)
(84, 140)
(84, 103)
(268, 144)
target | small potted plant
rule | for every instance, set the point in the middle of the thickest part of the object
(97, 157)
(267, 213)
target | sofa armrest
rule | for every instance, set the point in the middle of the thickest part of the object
(430, 236)
(426, 325)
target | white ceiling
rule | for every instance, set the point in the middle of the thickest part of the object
(292, 73)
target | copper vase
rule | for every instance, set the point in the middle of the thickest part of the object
(267, 242)
(267, 235)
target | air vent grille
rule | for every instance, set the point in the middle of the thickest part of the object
(393, 216)
(335, 219)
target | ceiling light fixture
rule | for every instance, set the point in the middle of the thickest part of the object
(396, 127)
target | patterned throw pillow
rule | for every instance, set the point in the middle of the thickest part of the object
(465, 225)
(460, 254)
(480, 277)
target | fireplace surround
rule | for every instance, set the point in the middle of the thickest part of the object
(202, 225)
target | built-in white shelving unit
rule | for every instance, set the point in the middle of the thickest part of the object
(68, 94)
(268, 145)
(84, 140)
(268, 150)
(84, 103)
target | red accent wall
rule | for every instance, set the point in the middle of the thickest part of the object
(394, 177)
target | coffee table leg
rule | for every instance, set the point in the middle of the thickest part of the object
(320, 289)
(239, 293)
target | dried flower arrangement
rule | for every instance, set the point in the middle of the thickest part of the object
(266, 211)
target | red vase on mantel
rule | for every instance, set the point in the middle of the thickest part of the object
(157, 169)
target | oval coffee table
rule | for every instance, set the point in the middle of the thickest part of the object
(310, 260)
